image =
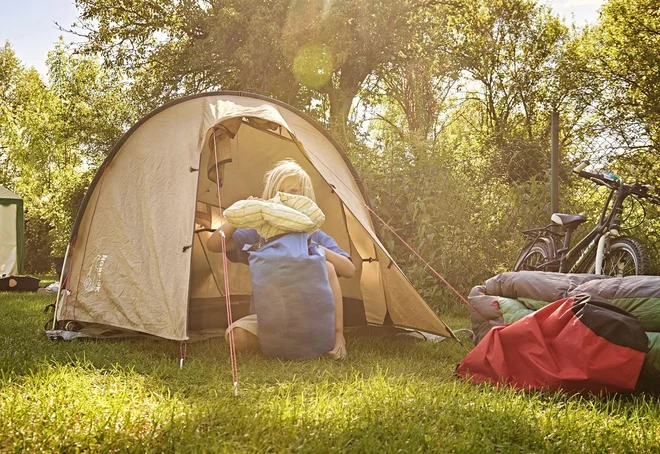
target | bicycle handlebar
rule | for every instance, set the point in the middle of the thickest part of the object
(600, 179)
(614, 182)
(642, 190)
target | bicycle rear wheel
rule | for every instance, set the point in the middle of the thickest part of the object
(626, 257)
(534, 257)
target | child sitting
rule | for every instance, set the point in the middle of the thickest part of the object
(288, 177)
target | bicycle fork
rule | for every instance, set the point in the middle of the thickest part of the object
(600, 249)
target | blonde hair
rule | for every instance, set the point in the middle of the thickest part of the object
(284, 169)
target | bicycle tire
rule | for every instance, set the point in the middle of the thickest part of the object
(530, 258)
(626, 257)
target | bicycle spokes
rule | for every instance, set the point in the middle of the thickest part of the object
(619, 263)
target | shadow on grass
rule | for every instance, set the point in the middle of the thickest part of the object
(26, 349)
(392, 394)
(382, 413)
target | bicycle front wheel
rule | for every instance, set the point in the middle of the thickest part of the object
(534, 257)
(626, 257)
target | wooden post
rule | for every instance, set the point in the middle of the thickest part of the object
(554, 164)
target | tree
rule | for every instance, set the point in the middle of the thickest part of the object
(460, 143)
(622, 55)
(417, 83)
(54, 135)
(295, 51)
(95, 106)
(508, 51)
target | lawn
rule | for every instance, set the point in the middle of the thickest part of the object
(393, 394)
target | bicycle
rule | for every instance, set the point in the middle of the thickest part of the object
(602, 250)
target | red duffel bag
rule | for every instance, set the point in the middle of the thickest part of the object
(575, 344)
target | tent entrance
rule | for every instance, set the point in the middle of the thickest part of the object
(247, 148)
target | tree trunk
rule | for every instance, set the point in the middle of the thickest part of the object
(341, 96)
(340, 107)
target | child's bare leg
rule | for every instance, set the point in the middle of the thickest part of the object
(244, 340)
(339, 351)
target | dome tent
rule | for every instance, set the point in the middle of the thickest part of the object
(137, 258)
(11, 233)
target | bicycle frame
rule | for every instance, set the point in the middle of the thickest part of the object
(586, 247)
(608, 226)
(576, 259)
(593, 249)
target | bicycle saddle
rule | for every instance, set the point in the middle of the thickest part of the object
(568, 220)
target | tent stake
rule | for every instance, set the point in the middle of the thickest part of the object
(183, 349)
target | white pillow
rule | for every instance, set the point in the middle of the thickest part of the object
(284, 213)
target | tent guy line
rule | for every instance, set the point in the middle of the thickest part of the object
(232, 345)
(386, 225)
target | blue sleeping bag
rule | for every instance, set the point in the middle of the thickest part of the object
(292, 297)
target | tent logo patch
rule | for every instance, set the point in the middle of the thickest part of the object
(93, 280)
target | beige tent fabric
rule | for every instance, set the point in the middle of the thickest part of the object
(371, 282)
(8, 241)
(136, 258)
(129, 269)
(253, 153)
(207, 279)
(405, 305)
(220, 142)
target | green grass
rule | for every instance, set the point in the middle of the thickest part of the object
(393, 394)
(46, 279)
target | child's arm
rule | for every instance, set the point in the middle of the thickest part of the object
(214, 243)
(343, 266)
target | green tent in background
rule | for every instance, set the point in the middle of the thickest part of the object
(11, 233)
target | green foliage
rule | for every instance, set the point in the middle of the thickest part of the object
(615, 65)
(38, 245)
(440, 209)
(460, 161)
(509, 52)
(461, 156)
(62, 208)
(173, 48)
(624, 50)
(53, 137)
(93, 106)
(443, 106)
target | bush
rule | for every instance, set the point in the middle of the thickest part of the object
(37, 245)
